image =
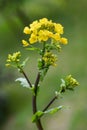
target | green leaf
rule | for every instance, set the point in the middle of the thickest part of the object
(43, 73)
(40, 64)
(32, 48)
(23, 82)
(37, 116)
(24, 62)
(53, 110)
(62, 86)
(63, 83)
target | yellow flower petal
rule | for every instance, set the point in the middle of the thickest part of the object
(25, 43)
(26, 30)
(64, 41)
(33, 38)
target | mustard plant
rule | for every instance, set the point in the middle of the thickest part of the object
(49, 35)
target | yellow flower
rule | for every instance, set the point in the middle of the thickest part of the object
(63, 40)
(71, 81)
(33, 38)
(58, 28)
(43, 35)
(43, 30)
(14, 58)
(50, 59)
(25, 43)
(56, 36)
(34, 26)
(46, 23)
(43, 20)
(26, 30)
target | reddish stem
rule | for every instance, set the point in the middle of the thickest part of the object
(34, 102)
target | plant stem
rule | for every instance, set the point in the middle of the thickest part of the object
(22, 71)
(37, 82)
(34, 102)
(49, 104)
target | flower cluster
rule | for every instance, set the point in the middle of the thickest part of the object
(49, 59)
(43, 30)
(68, 83)
(14, 58)
(71, 82)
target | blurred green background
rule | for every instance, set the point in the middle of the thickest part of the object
(15, 101)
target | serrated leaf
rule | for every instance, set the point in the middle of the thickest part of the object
(37, 115)
(23, 82)
(53, 110)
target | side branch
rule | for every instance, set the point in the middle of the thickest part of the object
(22, 71)
(49, 104)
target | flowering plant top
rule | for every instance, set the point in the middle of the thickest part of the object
(49, 35)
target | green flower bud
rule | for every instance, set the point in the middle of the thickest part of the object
(71, 82)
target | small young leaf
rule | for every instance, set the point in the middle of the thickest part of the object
(63, 83)
(37, 116)
(62, 86)
(53, 110)
(23, 82)
(32, 48)
(24, 62)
